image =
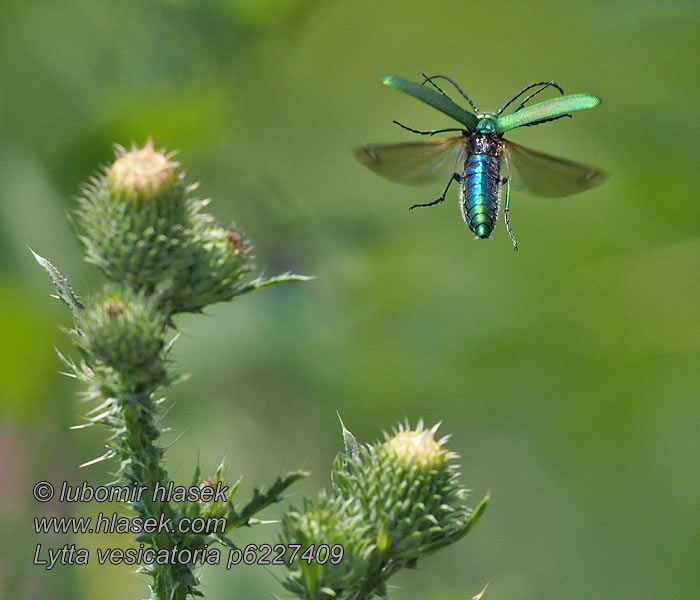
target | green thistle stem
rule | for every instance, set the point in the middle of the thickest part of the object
(145, 456)
(144, 467)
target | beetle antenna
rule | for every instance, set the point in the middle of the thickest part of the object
(431, 132)
(427, 79)
(544, 87)
(446, 78)
(544, 84)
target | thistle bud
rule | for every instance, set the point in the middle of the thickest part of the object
(135, 218)
(337, 524)
(408, 487)
(124, 331)
(221, 259)
(394, 501)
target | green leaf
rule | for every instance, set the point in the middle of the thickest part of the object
(264, 282)
(435, 99)
(65, 293)
(262, 499)
(476, 515)
(549, 109)
(197, 477)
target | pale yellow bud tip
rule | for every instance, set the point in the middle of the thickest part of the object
(142, 171)
(417, 447)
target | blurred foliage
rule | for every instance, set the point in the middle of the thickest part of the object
(568, 372)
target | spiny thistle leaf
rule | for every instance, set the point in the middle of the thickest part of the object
(264, 282)
(352, 448)
(263, 498)
(65, 292)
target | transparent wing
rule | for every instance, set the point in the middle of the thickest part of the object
(412, 162)
(549, 176)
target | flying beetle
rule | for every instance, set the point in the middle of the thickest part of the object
(480, 151)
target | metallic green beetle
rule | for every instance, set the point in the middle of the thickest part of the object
(480, 151)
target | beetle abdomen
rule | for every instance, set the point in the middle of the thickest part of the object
(479, 193)
(481, 183)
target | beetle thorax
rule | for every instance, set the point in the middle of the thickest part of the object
(485, 143)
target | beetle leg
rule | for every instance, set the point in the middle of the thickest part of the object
(455, 177)
(506, 211)
(506, 181)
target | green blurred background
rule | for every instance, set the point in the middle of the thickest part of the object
(567, 373)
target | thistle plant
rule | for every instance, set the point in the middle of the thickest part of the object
(392, 503)
(142, 225)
